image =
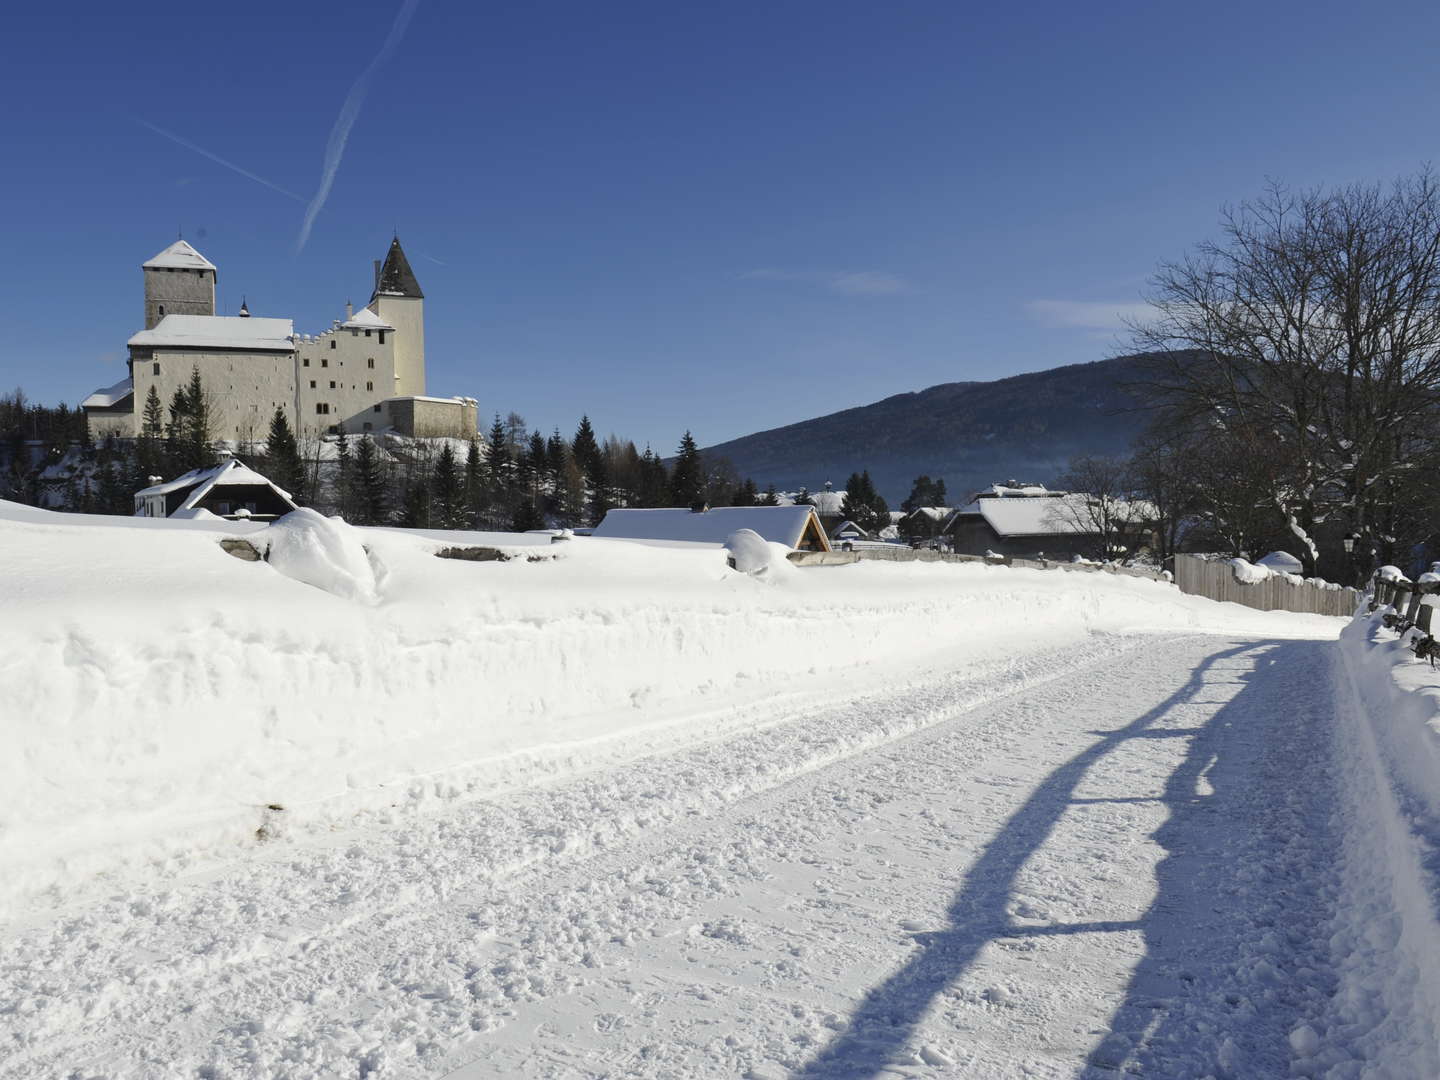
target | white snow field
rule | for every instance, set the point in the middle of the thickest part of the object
(361, 812)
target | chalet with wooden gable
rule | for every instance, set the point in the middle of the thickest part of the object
(797, 527)
(228, 490)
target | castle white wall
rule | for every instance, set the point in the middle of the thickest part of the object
(407, 315)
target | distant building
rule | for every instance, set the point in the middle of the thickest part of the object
(366, 373)
(228, 490)
(796, 527)
(1028, 520)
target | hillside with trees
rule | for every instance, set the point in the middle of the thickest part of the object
(966, 434)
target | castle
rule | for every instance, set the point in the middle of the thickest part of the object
(364, 374)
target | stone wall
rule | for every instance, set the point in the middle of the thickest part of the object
(176, 291)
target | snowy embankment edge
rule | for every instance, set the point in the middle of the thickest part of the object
(1386, 942)
(170, 705)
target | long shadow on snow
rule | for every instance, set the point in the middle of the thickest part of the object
(883, 1023)
(1236, 891)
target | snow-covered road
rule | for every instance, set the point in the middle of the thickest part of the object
(1067, 865)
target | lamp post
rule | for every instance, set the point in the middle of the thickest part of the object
(1351, 540)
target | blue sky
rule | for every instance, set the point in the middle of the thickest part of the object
(717, 217)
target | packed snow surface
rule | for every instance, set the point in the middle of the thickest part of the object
(630, 812)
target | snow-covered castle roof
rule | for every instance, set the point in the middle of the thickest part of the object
(218, 332)
(178, 256)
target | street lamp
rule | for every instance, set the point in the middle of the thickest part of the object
(1349, 542)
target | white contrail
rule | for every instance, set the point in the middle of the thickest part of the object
(335, 148)
(215, 157)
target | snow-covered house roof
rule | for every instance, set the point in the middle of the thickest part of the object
(1014, 490)
(933, 513)
(230, 472)
(110, 396)
(792, 526)
(178, 256)
(1282, 562)
(1050, 516)
(365, 319)
(218, 332)
(848, 528)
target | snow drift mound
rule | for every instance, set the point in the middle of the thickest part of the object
(324, 552)
(752, 554)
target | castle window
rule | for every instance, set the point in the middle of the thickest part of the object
(157, 369)
(334, 430)
(367, 333)
(377, 408)
(367, 425)
(332, 384)
(312, 384)
(382, 337)
(162, 311)
(326, 361)
(332, 343)
(322, 409)
(306, 361)
(369, 386)
(371, 362)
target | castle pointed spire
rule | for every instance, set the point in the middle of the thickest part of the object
(396, 277)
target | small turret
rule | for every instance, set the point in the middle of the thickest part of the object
(244, 308)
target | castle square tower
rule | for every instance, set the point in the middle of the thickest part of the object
(399, 302)
(178, 281)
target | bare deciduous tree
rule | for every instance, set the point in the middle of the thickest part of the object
(1313, 325)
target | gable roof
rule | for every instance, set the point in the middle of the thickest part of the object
(365, 319)
(1043, 516)
(110, 395)
(396, 277)
(218, 332)
(780, 524)
(205, 480)
(178, 256)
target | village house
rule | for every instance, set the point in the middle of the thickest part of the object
(796, 527)
(365, 373)
(1027, 520)
(228, 490)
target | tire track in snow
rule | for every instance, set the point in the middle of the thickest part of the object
(597, 924)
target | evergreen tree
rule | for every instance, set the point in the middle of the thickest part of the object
(748, 495)
(500, 467)
(863, 504)
(447, 491)
(652, 487)
(415, 504)
(474, 481)
(925, 492)
(527, 516)
(150, 445)
(344, 476)
(803, 498)
(369, 484)
(600, 498)
(585, 447)
(771, 497)
(196, 438)
(282, 457)
(687, 479)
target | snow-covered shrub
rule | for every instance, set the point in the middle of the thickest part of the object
(324, 552)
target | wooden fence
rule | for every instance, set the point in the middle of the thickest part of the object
(1215, 579)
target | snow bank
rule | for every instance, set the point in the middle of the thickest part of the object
(1387, 938)
(160, 695)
